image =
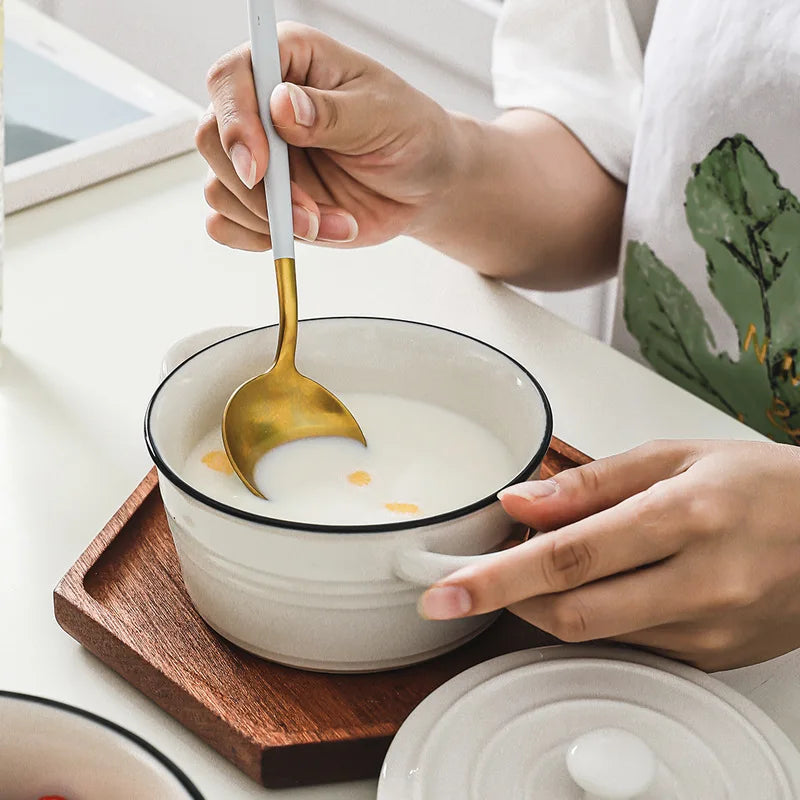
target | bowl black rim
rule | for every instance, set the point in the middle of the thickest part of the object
(191, 790)
(384, 527)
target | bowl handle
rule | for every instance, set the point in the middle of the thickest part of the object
(179, 351)
(423, 567)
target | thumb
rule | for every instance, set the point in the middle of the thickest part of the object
(343, 120)
(582, 491)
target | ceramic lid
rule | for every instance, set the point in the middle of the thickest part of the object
(529, 724)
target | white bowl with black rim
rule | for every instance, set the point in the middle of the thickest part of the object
(50, 748)
(339, 598)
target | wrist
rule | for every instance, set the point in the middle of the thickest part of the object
(457, 154)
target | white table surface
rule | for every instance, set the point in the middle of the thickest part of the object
(99, 283)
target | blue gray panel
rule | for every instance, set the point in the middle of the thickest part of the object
(47, 106)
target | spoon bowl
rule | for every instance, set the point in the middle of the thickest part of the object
(281, 405)
(275, 408)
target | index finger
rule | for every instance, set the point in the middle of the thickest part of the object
(581, 491)
(643, 529)
(233, 97)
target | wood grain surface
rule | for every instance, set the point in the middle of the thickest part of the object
(124, 601)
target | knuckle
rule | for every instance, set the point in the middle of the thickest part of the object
(291, 32)
(653, 447)
(736, 589)
(221, 71)
(206, 132)
(705, 663)
(330, 112)
(229, 125)
(215, 226)
(713, 643)
(212, 191)
(569, 620)
(708, 513)
(569, 562)
(584, 479)
(232, 130)
(296, 43)
(487, 586)
(655, 504)
(677, 451)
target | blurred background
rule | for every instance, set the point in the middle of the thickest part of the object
(441, 46)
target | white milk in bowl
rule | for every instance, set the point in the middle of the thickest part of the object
(421, 460)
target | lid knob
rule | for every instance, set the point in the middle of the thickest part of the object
(611, 764)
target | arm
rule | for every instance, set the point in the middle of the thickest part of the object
(372, 157)
(526, 203)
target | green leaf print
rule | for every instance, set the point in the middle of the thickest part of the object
(749, 226)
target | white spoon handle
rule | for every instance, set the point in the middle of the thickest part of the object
(267, 75)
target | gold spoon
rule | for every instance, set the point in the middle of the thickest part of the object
(281, 405)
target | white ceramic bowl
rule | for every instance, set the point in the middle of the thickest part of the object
(48, 748)
(330, 597)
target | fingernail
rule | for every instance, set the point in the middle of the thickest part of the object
(304, 113)
(445, 602)
(532, 490)
(306, 223)
(244, 164)
(340, 227)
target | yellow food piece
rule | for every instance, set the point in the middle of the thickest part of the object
(402, 508)
(218, 460)
(359, 477)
